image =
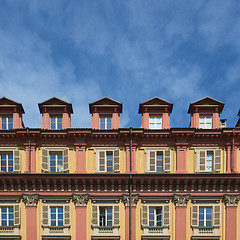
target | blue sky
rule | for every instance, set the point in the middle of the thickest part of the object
(130, 51)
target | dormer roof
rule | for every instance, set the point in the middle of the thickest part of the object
(105, 103)
(56, 103)
(8, 103)
(155, 102)
(206, 103)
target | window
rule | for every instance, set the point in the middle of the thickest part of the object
(56, 122)
(209, 160)
(10, 215)
(155, 122)
(107, 160)
(205, 122)
(155, 216)
(55, 160)
(6, 123)
(205, 216)
(106, 122)
(103, 216)
(56, 215)
(158, 160)
(10, 160)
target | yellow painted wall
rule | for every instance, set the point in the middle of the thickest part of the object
(91, 160)
(23, 161)
(139, 230)
(72, 159)
(141, 159)
(89, 229)
(22, 230)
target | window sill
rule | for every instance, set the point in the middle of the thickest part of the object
(9, 230)
(52, 230)
(163, 230)
(205, 231)
(106, 230)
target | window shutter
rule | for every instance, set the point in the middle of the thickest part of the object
(202, 160)
(65, 160)
(94, 216)
(166, 215)
(116, 161)
(194, 216)
(17, 160)
(216, 216)
(102, 162)
(152, 161)
(147, 161)
(167, 160)
(217, 160)
(45, 216)
(66, 215)
(144, 215)
(16, 215)
(45, 162)
(116, 215)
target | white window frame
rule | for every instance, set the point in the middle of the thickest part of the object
(154, 118)
(16, 207)
(205, 121)
(155, 215)
(16, 159)
(105, 122)
(55, 117)
(166, 166)
(45, 159)
(216, 156)
(7, 122)
(116, 165)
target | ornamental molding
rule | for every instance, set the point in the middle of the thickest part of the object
(80, 199)
(231, 200)
(126, 199)
(181, 200)
(30, 199)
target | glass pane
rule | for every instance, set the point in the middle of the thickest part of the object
(201, 120)
(152, 126)
(152, 120)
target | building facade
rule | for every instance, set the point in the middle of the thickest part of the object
(107, 182)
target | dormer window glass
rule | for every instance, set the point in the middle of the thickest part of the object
(106, 122)
(205, 122)
(56, 122)
(56, 161)
(155, 122)
(6, 123)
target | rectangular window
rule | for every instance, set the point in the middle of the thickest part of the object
(6, 123)
(205, 216)
(155, 217)
(56, 216)
(105, 216)
(109, 155)
(209, 161)
(155, 122)
(6, 161)
(56, 122)
(106, 122)
(56, 161)
(205, 122)
(7, 216)
(108, 161)
(158, 161)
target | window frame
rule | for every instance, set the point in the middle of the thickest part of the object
(16, 215)
(7, 122)
(55, 122)
(16, 159)
(105, 124)
(154, 117)
(205, 121)
(46, 159)
(101, 156)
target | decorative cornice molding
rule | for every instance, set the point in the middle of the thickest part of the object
(126, 200)
(180, 200)
(231, 200)
(30, 199)
(80, 199)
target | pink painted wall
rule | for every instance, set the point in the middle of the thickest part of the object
(181, 222)
(181, 159)
(231, 223)
(31, 212)
(80, 159)
(81, 226)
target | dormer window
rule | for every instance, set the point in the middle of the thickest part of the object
(56, 122)
(205, 122)
(6, 123)
(155, 122)
(106, 122)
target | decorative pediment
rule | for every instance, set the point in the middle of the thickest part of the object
(8, 103)
(105, 103)
(155, 102)
(55, 102)
(206, 102)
